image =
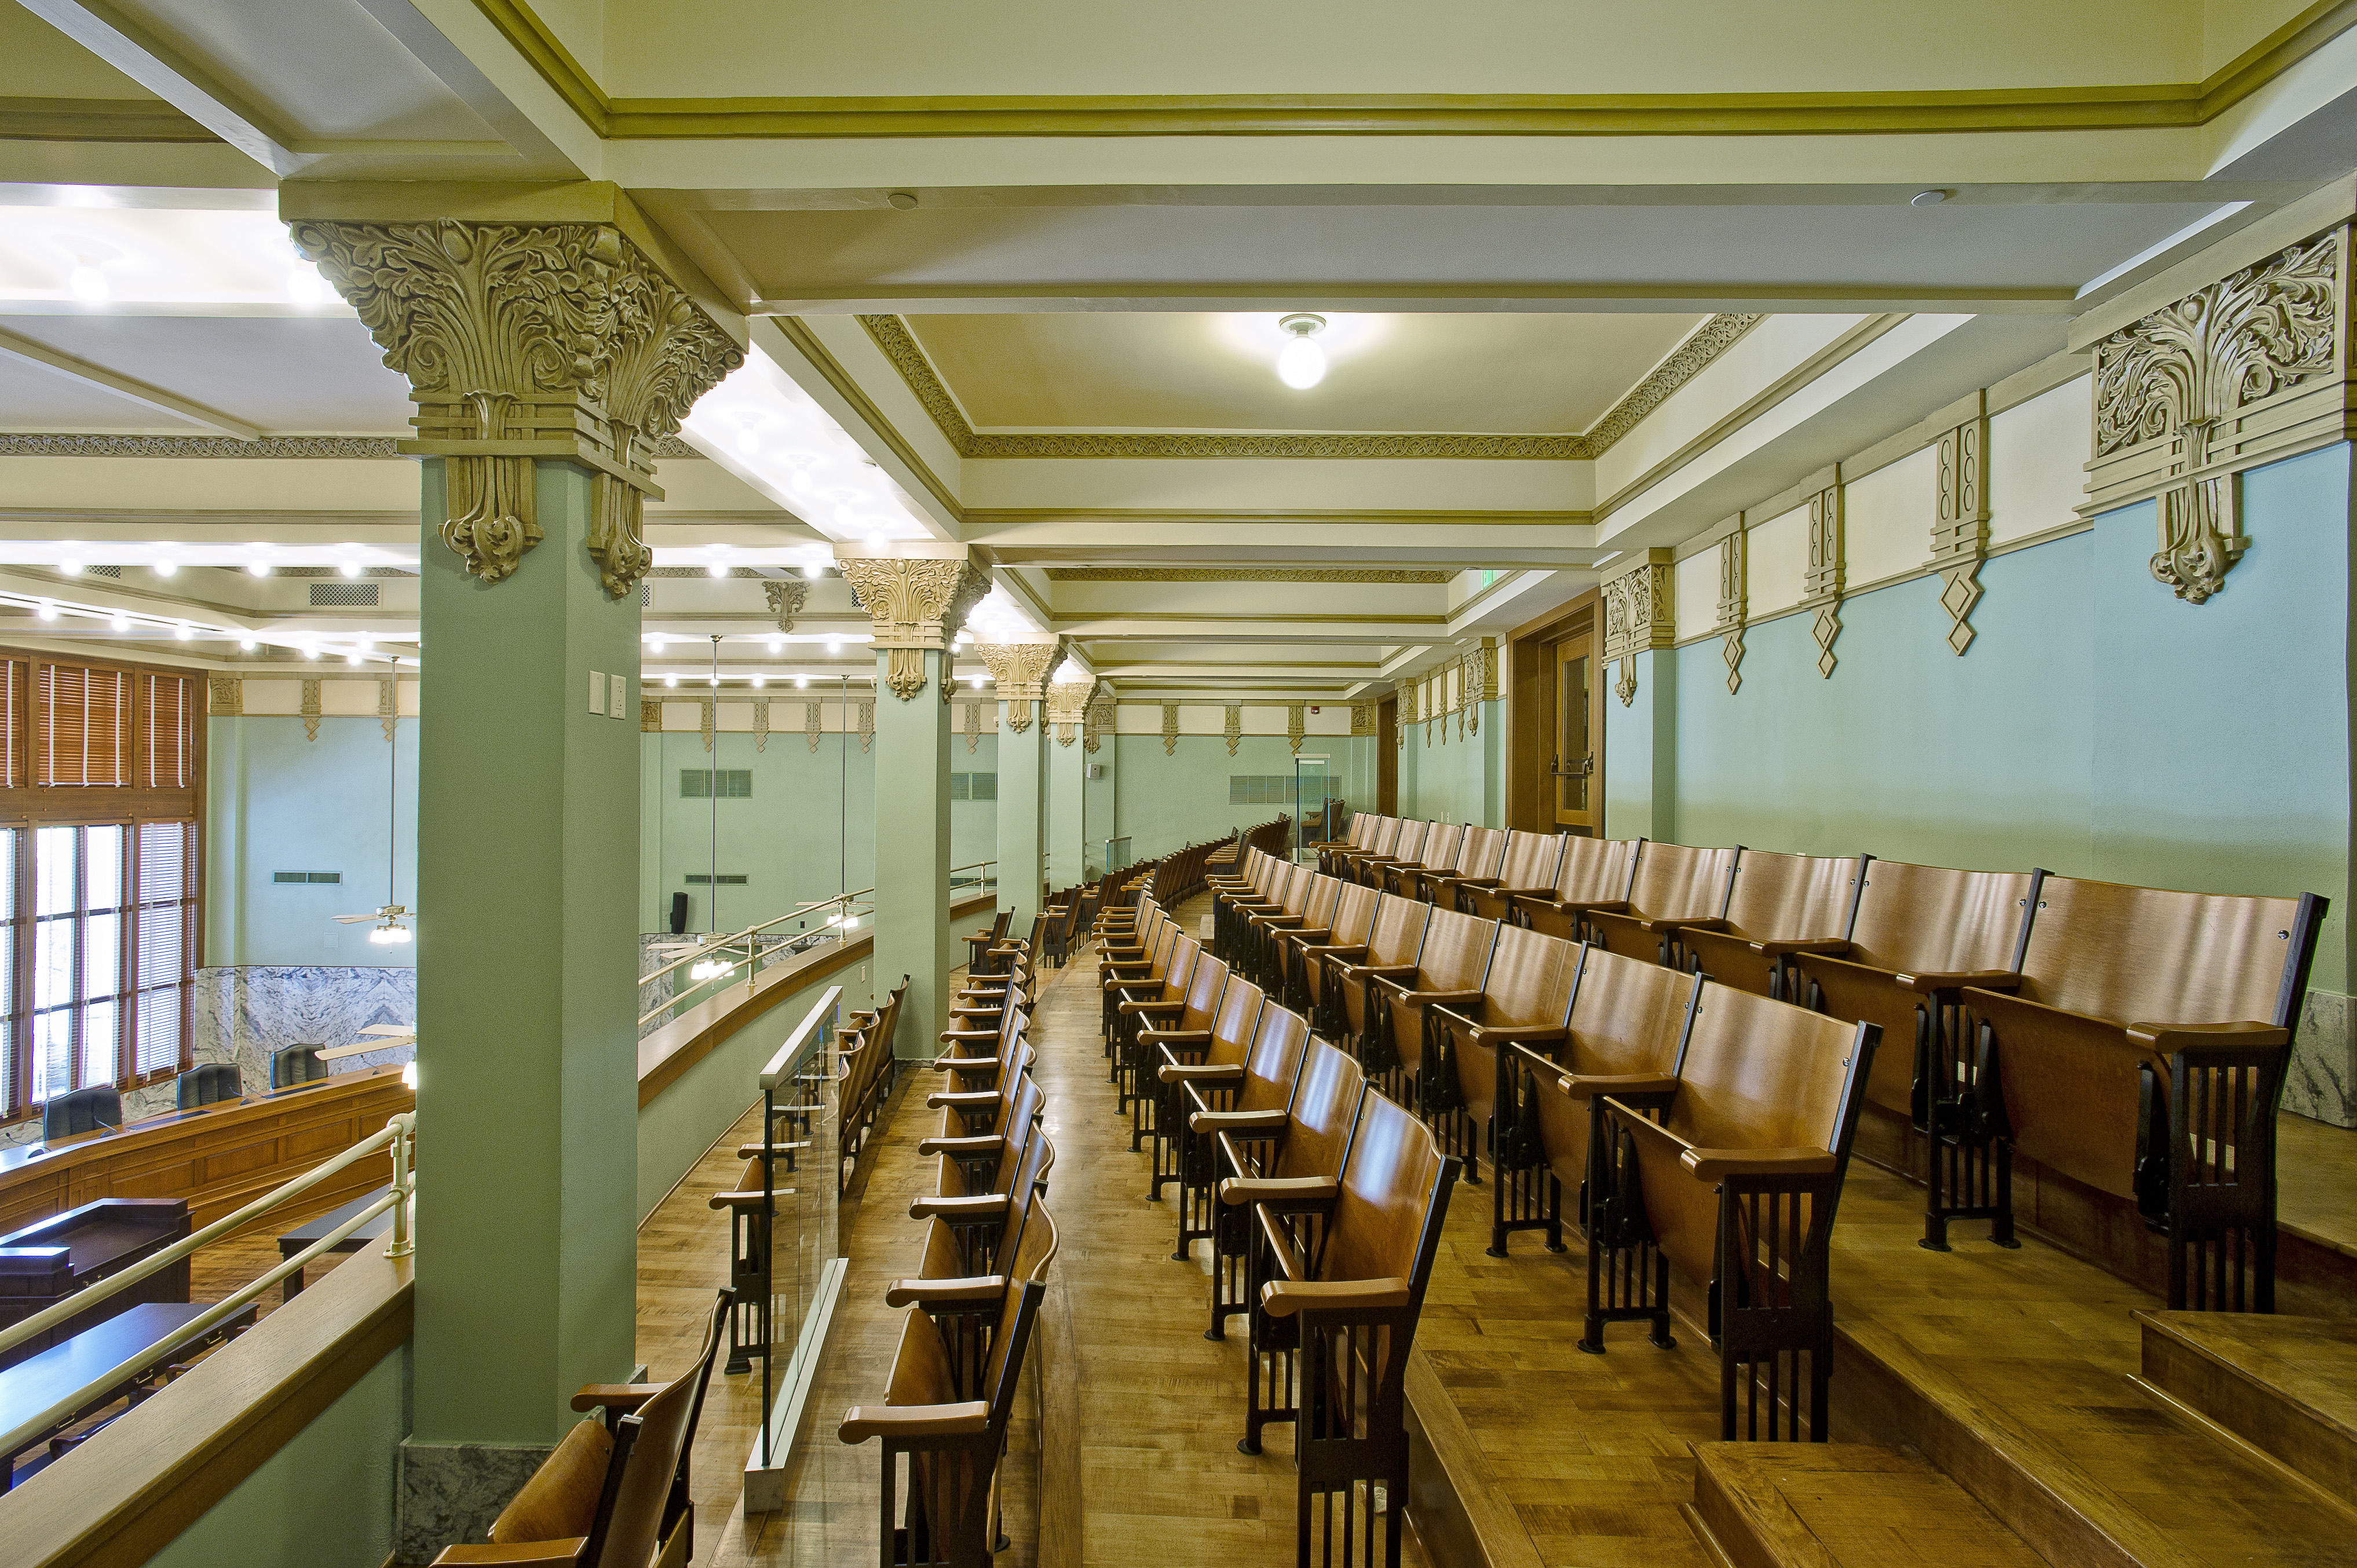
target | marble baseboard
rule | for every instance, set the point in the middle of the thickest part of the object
(2323, 1082)
(450, 1492)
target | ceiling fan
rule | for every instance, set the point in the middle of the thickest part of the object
(384, 1038)
(389, 929)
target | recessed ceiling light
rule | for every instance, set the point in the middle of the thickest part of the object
(46, 610)
(86, 283)
(671, 680)
(777, 646)
(119, 621)
(1301, 364)
(718, 570)
(760, 681)
(247, 644)
(181, 633)
(349, 568)
(813, 570)
(906, 200)
(259, 568)
(166, 568)
(834, 645)
(1929, 198)
(70, 568)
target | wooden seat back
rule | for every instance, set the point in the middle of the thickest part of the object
(1593, 871)
(1776, 897)
(1385, 836)
(1529, 985)
(1673, 882)
(1914, 920)
(1455, 957)
(1529, 862)
(1321, 1116)
(1483, 852)
(1205, 984)
(1272, 1066)
(1378, 1229)
(1628, 1019)
(1394, 937)
(1440, 846)
(1353, 919)
(2107, 955)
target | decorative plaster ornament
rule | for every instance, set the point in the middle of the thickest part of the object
(310, 708)
(225, 696)
(1734, 600)
(1170, 729)
(711, 724)
(972, 727)
(787, 596)
(1100, 722)
(916, 603)
(760, 724)
(650, 717)
(1959, 533)
(1068, 708)
(529, 342)
(1020, 671)
(1638, 616)
(1235, 726)
(814, 722)
(1296, 724)
(388, 703)
(867, 724)
(1827, 573)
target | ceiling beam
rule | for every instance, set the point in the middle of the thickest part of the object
(30, 351)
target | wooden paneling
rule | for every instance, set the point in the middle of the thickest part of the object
(219, 1160)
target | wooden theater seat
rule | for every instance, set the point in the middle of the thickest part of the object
(2140, 1050)
(1525, 997)
(1782, 905)
(1677, 885)
(949, 1421)
(1394, 939)
(1304, 1145)
(1189, 1008)
(1284, 883)
(1406, 848)
(1172, 1056)
(614, 1492)
(1450, 967)
(983, 946)
(975, 1220)
(1441, 842)
(1731, 1172)
(1592, 872)
(1302, 978)
(1628, 1025)
(976, 1058)
(1272, 1065)
(1361, 835)
(1340, 1271)
(1529, 867)
(1478, 853)
(972, 1112)
(1259, 956)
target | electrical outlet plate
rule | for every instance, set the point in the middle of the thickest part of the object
(619, 697)
(597, 693)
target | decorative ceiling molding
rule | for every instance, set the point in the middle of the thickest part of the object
(69, 445)
(2157, 105)
(97, 119)
(1238, 574)
(1700, 346)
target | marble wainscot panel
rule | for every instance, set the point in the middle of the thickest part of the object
(2322, 1081)
(242, 1014)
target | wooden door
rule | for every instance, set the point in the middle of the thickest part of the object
(1387, 758)
(1579, 806)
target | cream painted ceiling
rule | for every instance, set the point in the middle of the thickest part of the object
(1107, 370)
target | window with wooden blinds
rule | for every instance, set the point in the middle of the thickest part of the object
(82, 730)
(12, 723)
(168, 737)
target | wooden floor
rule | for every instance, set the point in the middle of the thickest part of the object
(1557, 1457)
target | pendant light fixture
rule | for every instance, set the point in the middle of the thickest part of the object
(1301, 363)
(387, 926)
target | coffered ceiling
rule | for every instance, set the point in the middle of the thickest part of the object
(1594, 276)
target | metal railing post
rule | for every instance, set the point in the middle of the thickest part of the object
(404, 1184)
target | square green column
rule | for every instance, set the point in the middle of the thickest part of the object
(912, 854)
(527, 963)
(1066, 762)
(1022, 811)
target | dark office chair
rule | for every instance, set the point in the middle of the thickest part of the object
(295, 1065)
(209, 1084)
(84, 1111)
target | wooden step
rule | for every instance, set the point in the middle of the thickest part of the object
(1841, 1505)
(2287, 1386)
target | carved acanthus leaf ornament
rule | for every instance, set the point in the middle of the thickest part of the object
(916, 603)
(1020, 671)
(527, 342)
(1068, 708)
(2183, 372)
(787, 596)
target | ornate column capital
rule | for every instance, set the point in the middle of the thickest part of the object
(916, 603)
(559, 340)
(1639, 614)
(1068, 707)
(1020, 671)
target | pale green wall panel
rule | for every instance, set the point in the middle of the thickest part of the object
(1458, 776)
(323, 1501)
(1167, 802)
(277, 802)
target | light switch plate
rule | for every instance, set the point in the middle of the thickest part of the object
(597, 693)
(620, 709)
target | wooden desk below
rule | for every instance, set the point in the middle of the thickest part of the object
(219, 1158)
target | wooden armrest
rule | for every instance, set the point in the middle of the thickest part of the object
(974, 1290)
(1662, 925)
(2168, 1039)
(1717, 1165)
(1585, 1085)
(1199, 1072)
(624, 1397)
(982, 1206)
(1426, 998)
(1306, 935)
(734, 1198)
(1337, 950)
(1821, 946)
(1479, 882)
(1176, 1037)
(1284, 1192)
(1283, 1298)
(962, 1098)
(547, 1552)
(861, 1422)
(1957, 980)
(969, 1034)
(1484, 1033)
(1589, 906)
(1376, 971)
(964, 1148)
(1164, 1004)
(1242, 1121)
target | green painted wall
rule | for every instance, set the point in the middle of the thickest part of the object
(1166, 803)
(2097, 725)
(323, 1500)
(277, 801)
(1455, 777)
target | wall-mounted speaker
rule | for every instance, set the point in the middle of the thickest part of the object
(678, 914)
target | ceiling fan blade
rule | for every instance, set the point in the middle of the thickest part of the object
(353, 920)
(406, 1031)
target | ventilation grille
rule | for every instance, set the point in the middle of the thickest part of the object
(646, 594)
(1260, 788)
(104, 571)
(728, 783)
(330, 877)
(727, 879)
(345, 594)
(974, 785)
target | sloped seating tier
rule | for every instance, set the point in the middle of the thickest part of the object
(1301, 973)
(1263, 1089)
(1184, 1010)
(1731, 1173)
(1305, 1142)
(1262, 951)
(1479, 852)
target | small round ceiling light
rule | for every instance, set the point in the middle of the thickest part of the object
(1301, 364)
(351, 568)
(1929, 198)
(167, 567)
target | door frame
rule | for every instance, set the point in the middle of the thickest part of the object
(1532, 717)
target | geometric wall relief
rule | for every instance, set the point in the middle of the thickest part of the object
(1639, 614)
(1960, 529)
(1822, 589)
(1733, 602)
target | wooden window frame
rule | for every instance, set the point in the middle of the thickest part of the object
(31, 805)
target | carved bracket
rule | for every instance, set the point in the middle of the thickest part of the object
(787, 596)
(1639, 614)
(1827, 573)
(1170, 729)
(1960, 530)
(1734, 601)
(760, 724)
(1296, 724)
(1235, 726)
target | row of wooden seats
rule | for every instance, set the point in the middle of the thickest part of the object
(866, 1071)
(974, 1302)
(2133, 1039)
(1323, 1201)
